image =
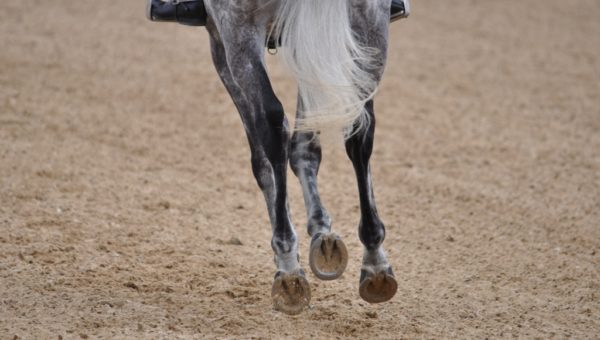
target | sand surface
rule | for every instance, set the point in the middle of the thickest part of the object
(128, 208)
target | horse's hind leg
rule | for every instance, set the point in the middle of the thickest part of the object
(239, 62)
(328, 256)
(377, 282)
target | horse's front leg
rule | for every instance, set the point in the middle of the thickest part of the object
(240, 65)
(377, 282)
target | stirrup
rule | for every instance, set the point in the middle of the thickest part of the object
(187, 12)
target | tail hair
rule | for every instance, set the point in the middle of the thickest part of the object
(331, 66)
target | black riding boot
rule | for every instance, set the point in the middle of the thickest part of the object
(187, 12)
(193, 13)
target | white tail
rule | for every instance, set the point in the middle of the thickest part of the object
(330, 65)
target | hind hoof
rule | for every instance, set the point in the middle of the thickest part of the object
(290, 292)
(328, 256)
(377, 287)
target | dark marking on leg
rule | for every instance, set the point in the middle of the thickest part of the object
(238, 57)
(377, 283)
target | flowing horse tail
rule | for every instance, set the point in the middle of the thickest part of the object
(331, 66)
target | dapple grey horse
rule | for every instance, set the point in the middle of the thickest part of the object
(337, 51)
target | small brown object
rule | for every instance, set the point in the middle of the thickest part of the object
(132, 285)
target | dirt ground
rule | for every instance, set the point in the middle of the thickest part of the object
(128, 208)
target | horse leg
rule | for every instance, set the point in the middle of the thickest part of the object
(370, 20)
(377, 283)
(239, 62)
(328, 255)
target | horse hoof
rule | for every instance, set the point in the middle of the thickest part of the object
(328, 256)
(290, 292)
(377, 287)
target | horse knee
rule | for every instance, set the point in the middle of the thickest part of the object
(263, 171)
(274, 113)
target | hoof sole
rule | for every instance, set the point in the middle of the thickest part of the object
(377, 287)
(328, 256)
(290, 292)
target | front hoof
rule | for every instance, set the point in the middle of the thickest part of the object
(377, 287)
(328, 256)
(290, 292)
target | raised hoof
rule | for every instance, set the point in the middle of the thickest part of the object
(290, 292)
(328, 256)
(377, 287)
